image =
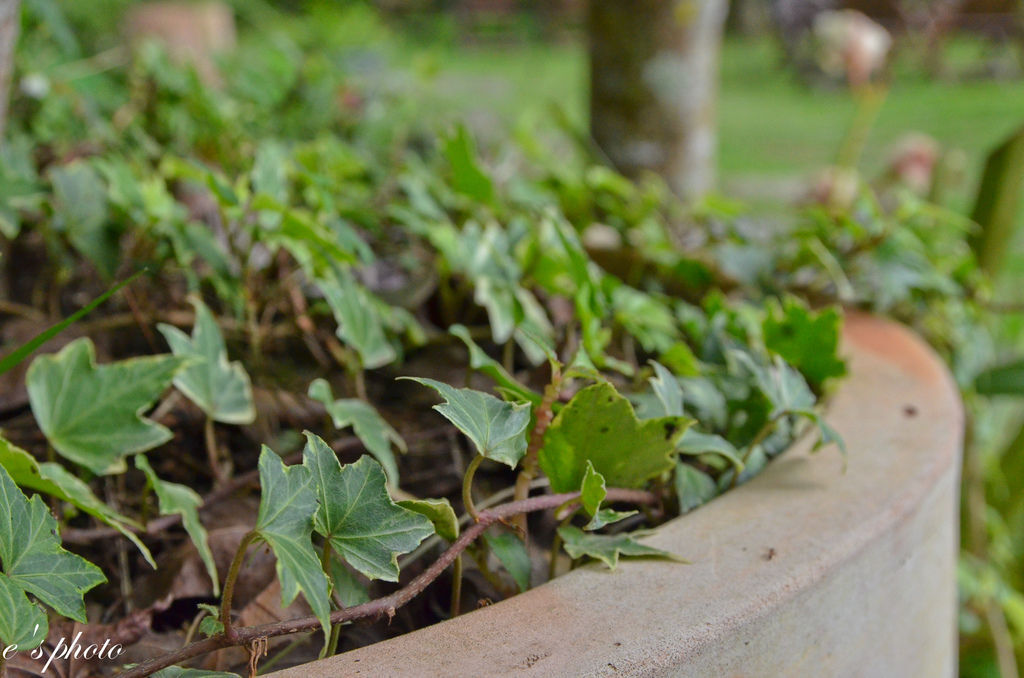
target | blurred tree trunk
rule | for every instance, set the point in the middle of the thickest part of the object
(653, 87)
(8, 36)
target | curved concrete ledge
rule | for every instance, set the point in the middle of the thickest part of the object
(804, 571)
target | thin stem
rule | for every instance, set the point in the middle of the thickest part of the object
(332, 647)
(229, 583)
(467, 487)
(528, 467)
(381, 606)
(457, 586)
(210, 435)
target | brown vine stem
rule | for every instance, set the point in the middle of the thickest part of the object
(530, 462)
(381, 606)
(229, 583)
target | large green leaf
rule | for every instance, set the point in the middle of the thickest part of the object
(92, 414)
(221, 389)
(359, 324)
(497, 429)
(285, 521)
(55, 480)
(1005, 379)
(607, 548)
(375, 433)
(356, 514)
(807, 340)
(175, 498)
(599, 425)
(34, 562)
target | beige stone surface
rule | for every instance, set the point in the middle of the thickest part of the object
(804, 571)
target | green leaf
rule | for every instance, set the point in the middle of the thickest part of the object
(667, 388)
(607, 548)
(348, 589)
(806, 340)
(23, 351)
(592, 494)
(80, 210)
(221, 389)
(359, 326)
(497, 429)
(55, 480)
(479, 360)
(693, 487)
(92, 414)
(179, 672)
(375, 433)
(285, 522)
(467, 177)
(1006, 379)
(997, 204)
(695, 443)
(34, 562)
(599, 425)
(440, 513)
(356, 514)
(22, 622)
(783, 386)
(511, 552)
(175, 498)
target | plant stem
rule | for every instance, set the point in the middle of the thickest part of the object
(229, 583)
(467, 487)
(528, 467)
(381, 606)
(210, 435)
(457, 586)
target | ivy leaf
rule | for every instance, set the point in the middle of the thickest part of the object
(497, 429)
(806, 340)
(695, 443)
(439, 512)
(479, 360)
(607, 548)
(80, 210)
(375, 433)
(175, 498)
(347, 588)
(356, 514)
(511, 552)
(693, 487)
(599, 425)
(34, 562)
(22, 622)
(667, 389)
(92, 414)
(220, 388)
(55, 480)
(782, 385)
(467, 177)
(285, 522)
(592, 494)
(359, 326)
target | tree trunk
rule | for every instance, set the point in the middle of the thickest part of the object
(8, 36)
(654, 82)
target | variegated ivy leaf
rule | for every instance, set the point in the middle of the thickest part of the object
(33, 562)
(479, 360)
(55, 480)
(92, 414)
(375, 433)
(607, 548)
(356, 514)
(359, 324)
(175, 498)
(285, 522)
(497, 429)
(599, 426)
(666, 388)
(220, 388)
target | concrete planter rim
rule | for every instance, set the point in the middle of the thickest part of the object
(803, 571)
